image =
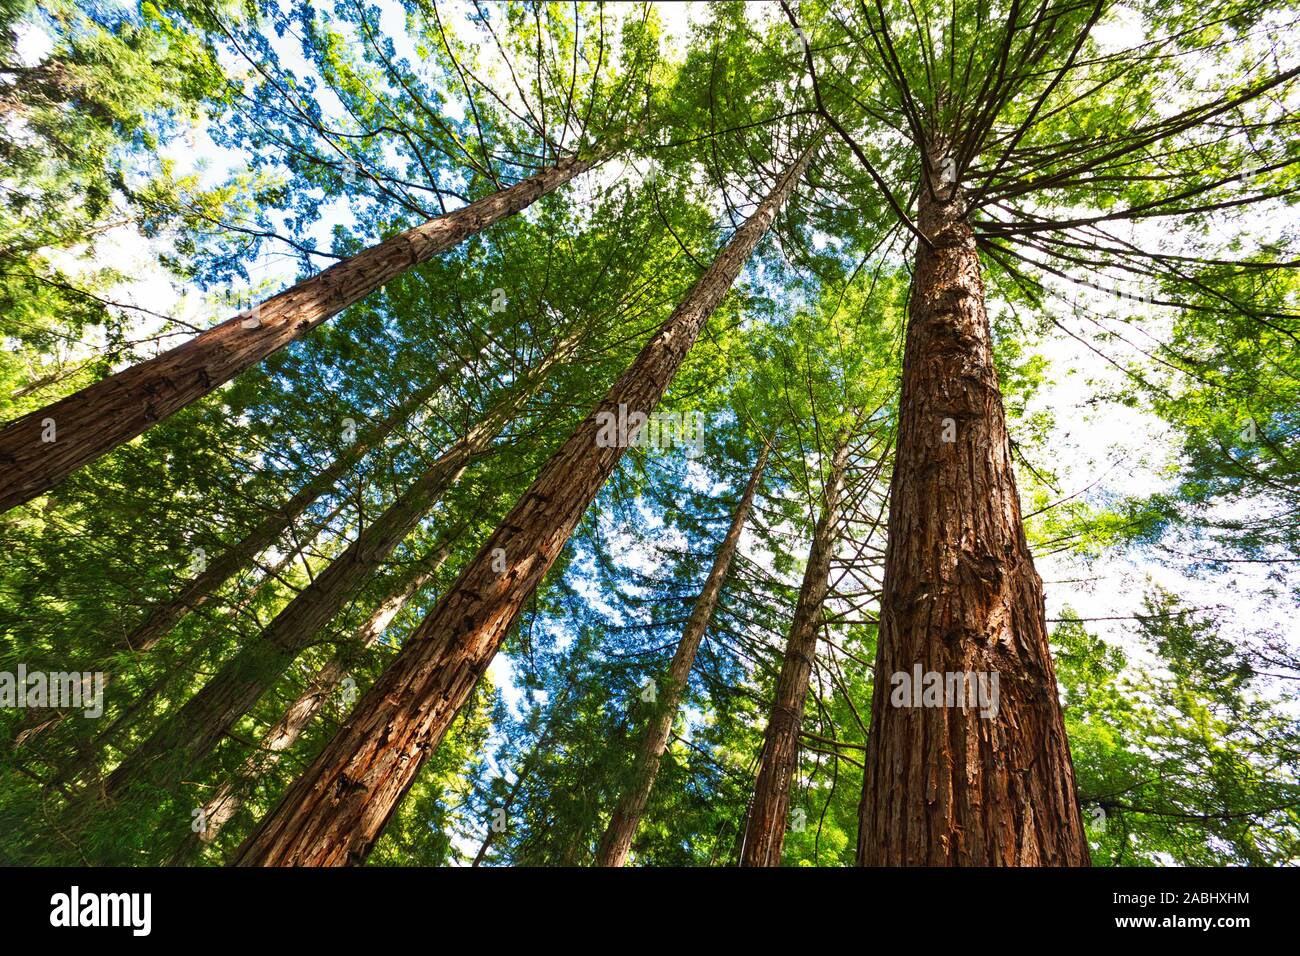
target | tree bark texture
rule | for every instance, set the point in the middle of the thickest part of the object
(102, 416)
(943, 784)
(324, 684)
(765, 823)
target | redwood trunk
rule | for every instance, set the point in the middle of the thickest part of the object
(944, 785)
(102, 416)
(617, 841)
(196, 729)
(336, 811)
(765, 825)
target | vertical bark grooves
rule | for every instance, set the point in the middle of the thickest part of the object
(282, 735)
(765, 823)
(336, 811)
(102, 416)
(617, 840)
(943, 784)
(197, 728)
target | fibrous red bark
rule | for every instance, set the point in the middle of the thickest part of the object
(946, 785)
(98, 418)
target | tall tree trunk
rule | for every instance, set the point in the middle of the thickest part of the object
(164, 615)
(102, 416)
(193, 731)
(765, 824)
(336, 811)
(945, 785)
(323, 685)
(617, 840)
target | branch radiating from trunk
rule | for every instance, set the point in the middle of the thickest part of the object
(338, 808)
(166, 614)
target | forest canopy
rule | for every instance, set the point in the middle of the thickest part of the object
(804, 433)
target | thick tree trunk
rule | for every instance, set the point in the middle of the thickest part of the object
(617, 840)
(97, 419)
(196, 729)
(197, 592)
(946, 785)
(765, 824)
(336, 811)
(324, 684)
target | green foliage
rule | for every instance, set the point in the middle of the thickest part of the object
(1185, 758)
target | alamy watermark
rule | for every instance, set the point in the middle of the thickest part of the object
(624, 429)
(969, 690)
(75, 908)
(70, 690)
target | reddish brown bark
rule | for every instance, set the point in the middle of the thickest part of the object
(102, 416)
(765, 824)
(617, 840)
(336, 811)
(194, 730)
(943, 784)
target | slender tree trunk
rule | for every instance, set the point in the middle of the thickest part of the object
(530, 763)
(97, 419)
(324, 684)
(336, 811)
(85, 759)
(193, 731)
(765, 824)
(946, 785)
(617, 840)
(490, 837)
(194, 594)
